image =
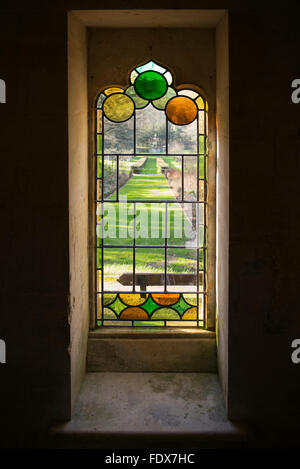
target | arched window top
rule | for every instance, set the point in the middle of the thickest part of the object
(151, 83)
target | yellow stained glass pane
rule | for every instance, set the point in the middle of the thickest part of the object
(99, 307)
(118, 107)
(191, 313)
(181, 110)
(99, 189)
(133, 299)
(99, 283)
(200, 103)
(113, 90)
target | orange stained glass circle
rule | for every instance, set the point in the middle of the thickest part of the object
(166, 299)
(181, 110)
(134, 313)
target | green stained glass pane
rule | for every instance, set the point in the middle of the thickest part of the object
(109, 314)
(151, 66)
(99, 258)
(109, 298)
(138, 101)
(161, 102)
(117, 306)
(190, 299)
(148, 323)
(150, 305)
(99, 323)
(99, 144)
(165, 313)
(201, 259)
(151, 85)
(202, 144)
(181, 306)
(99, 167)
(201, 167)
(201, 235)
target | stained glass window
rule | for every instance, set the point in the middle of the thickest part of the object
(150, 199)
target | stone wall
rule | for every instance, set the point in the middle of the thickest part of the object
(263, 313)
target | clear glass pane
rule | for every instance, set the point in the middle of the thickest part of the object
(147, 181)
(118, 137)
(181, 269)
(149, 268)
(110, 177)
(172, 170)
(117, 269)
(182, 223)
(190, 178)
(150, 131)
(150, 223)
(117, 223)
(182, 138)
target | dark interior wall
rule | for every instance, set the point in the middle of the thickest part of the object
(264, 217)
(35, 381)
(113, 53)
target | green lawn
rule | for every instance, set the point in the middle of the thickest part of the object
(149, 184)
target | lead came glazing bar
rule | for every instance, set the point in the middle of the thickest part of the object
(147, 176)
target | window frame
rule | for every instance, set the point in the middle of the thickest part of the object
(209, 164)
